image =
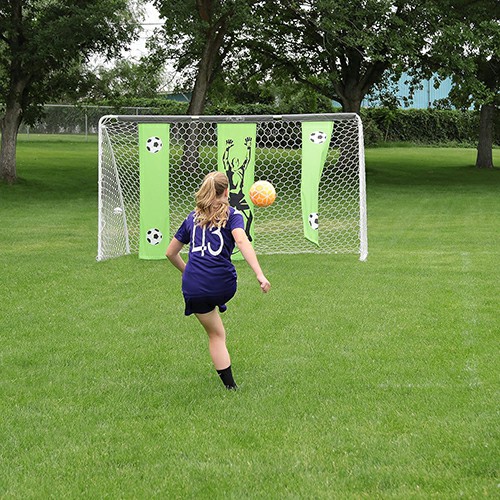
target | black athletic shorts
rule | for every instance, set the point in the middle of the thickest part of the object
(203, 305)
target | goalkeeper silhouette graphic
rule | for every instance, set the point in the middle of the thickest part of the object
(236, 176)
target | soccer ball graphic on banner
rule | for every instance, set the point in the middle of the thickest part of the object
(313, 220)
(154, 145)
(262, 193)
(318, 137)
(154, 236)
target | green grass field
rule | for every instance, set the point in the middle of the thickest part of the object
(358, 380)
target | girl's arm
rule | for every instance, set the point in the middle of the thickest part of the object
(173, 256)
(248, 252)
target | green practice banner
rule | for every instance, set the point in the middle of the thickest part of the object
(236, 158)
(154, 155)
(315, 143)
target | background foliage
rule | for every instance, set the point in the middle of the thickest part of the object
(422, 126)
(425, 126)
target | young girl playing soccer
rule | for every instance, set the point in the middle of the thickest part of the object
(209, 277)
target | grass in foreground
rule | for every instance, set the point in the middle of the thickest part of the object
(376, 379)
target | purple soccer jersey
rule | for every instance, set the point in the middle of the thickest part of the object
(209, 270)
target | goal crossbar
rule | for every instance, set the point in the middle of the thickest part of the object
(232, 118)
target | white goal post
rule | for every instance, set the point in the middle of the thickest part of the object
(279, 155)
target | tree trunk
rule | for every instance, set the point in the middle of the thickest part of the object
(9, 127)
(215, 37)
(351, 104)
(485, 144)
(213, 43)
(191, 155)
(200, 90)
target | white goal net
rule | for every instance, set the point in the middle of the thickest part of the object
(278, 158)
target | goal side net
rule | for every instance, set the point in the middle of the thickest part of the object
(150, 168)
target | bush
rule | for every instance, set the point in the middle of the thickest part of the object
(241, 109)
(425, 126)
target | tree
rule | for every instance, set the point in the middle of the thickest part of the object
(43, 45)
(466, 47)
(128, 79)
(198, 35)
(341, 48)
(239, 86)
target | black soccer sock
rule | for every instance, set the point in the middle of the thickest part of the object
(226, 375)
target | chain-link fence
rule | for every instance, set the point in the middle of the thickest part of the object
(72, 119)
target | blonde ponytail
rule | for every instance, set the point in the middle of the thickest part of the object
(210, 209)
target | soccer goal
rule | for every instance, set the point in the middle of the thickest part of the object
(150, 168)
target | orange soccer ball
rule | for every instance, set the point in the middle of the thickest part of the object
(262, 193)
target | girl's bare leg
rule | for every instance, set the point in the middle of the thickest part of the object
(212, 323)
(214, 327)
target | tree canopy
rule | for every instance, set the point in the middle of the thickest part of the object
(341, 48)
(129, 80)
(43, 44)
